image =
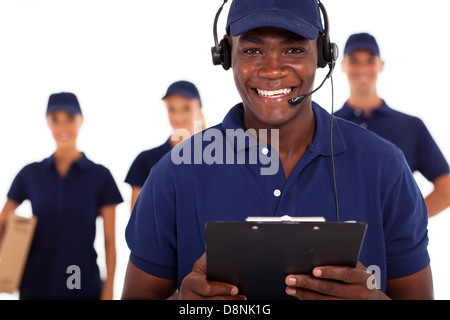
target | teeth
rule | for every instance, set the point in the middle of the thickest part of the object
(275, 93)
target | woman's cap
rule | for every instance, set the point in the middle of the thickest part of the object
(63, 101)
(183, 88)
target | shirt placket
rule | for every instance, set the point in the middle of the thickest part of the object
(273, 184)
(284, 205)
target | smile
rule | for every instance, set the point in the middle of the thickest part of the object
(274, 93)
(63, 136)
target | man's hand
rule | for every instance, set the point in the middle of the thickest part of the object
(196, 287)
(334, 282)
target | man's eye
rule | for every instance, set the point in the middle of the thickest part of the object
(295, 50)
(252, 51)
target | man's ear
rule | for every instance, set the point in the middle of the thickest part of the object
(344, 65)
(80, 120)
(229, 39)
(381, 66)
(49, 119)
(226, 44)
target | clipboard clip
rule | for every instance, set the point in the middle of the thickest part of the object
(285, 218)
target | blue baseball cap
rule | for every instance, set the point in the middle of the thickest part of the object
(298, 16)
(360, 41)
(63, 101)
(183, 88)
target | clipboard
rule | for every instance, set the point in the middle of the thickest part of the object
(257, 256)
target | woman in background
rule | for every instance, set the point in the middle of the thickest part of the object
(184, 109)
(67, 192)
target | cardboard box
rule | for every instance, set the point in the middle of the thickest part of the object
(14, 248)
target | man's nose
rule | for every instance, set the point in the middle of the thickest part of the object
(273, 68)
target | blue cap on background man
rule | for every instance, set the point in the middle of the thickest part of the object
(183, 88)
(361, 41)
(300, 16)
(63, 101)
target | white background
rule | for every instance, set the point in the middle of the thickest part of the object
(119, 56)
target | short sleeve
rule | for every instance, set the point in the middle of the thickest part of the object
(405, 221)
(18, 191)
(109, 193)
(151, 231)
(138, 172)
(431, 162)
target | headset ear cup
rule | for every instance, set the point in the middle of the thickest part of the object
(322, 46)
(225, 54)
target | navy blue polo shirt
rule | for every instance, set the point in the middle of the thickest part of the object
(166, 231)
(407, 132)
(66, 209)
(144, 162)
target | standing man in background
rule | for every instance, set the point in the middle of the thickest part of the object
(362, 64)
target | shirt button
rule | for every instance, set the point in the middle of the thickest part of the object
(277, 193)
(357, 112)
(363, 124)
(264, 151)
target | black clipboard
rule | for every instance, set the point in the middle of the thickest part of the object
(257, 256)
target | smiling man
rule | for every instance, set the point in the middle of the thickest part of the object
(362, 63)
(274, 54)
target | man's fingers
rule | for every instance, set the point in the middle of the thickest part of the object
(215, 288)
(331, 281)
(200, 264)
(306, 287)
(344, 274)
(306, 294)
(196, 286)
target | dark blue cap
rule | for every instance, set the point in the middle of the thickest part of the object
(63, 101)
(360, 41)
(299, 16)
(183, 88)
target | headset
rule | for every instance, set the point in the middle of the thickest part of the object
(327, 51)
(327, 54)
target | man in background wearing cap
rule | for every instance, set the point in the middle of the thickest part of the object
(362, 64)
(274, 56)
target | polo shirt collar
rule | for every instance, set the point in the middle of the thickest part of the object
(348, 111)
(383, 108)
(81, 163)
(322, 136)
(234, 120)
(167, 146)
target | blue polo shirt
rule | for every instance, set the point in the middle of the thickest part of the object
(166, 232)
(144, 162)
(407, 132)
(66, 209)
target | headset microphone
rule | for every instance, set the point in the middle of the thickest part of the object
(327, 55)
(299, 99)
